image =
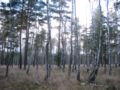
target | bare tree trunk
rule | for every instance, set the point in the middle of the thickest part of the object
(78, 59)
(9, 51)
(30, 58)
(109, 47)
(48, 46)
(7, 63)
(26, 48)
(64, 53)
(71, 44)
(27, 38)
(20, 57)
(117, 38)
(78, 73)
(2, 53)
(94, 72)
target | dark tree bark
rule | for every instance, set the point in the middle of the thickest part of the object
(48, 45)
(78, 73)
(20, 56)
(27, 36)
(7, 63)
(26, 48)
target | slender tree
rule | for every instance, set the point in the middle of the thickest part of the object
(48, 45)
(94, 72)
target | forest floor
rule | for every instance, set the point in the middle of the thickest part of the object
(19, 80)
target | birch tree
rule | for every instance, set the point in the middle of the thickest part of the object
(94, 72)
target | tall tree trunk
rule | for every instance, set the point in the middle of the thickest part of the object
(64, 46)
(109, 46)
(48, 45)
(2, 53)
(9, 51)
(7, 63)
(117, 38)
(20, 57)
(94, 72)
(26, 48)
(30, 58)
(71, 44)
(78, 59)
(27, 38)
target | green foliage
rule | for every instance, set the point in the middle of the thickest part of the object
(40, 39)
(58, 58)
(59, 8)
